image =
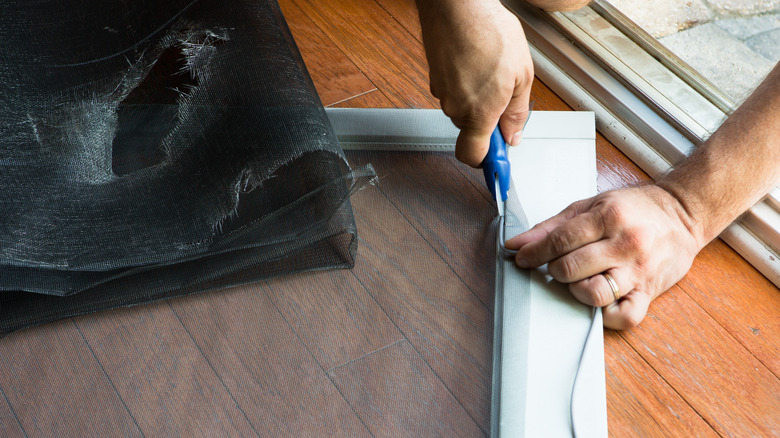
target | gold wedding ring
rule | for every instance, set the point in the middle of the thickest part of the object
(613, 285)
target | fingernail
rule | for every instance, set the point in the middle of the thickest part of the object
(516, 138)
(521, 262)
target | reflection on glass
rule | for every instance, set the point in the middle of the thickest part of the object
(732, 43)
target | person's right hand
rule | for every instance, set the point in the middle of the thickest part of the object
(480, 70)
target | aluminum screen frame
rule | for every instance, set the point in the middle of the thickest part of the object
(554, 166)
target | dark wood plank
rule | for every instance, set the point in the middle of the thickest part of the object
(405, 13)
(435, 310)
(615, 170)
(453, 215)
(333, 315)
(640, 403)
(396, 394)
(734, 392)
(56, 386)
(9, 424)
(269, 372)
(378, 45)
(740, 299)
(372, 99)
(334, 75)
(166, 383)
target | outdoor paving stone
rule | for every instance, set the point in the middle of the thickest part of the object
(743, 7)
(744, 28)
(767, 44)
(724, 60)
(663, 17)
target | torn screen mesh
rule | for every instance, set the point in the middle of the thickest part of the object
(154, 149)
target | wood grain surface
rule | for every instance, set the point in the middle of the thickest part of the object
(401, 345)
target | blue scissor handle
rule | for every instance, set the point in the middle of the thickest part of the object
(495, 166)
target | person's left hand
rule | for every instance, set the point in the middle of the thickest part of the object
(642, 237)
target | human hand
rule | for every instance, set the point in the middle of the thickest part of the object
(642, 237)
(480, 70)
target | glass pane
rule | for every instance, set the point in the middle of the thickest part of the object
(732, 43)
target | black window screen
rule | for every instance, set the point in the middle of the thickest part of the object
(153, 149)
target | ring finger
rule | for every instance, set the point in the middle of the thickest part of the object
(598, 291)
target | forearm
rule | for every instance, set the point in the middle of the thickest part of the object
(460, 13)
(734, 168)
(425, 5)
(559, 5)
(454, 11)
(547, 5)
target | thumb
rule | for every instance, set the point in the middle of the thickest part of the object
(515, 115)
(472, 145)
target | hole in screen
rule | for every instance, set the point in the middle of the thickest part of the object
(149, 112)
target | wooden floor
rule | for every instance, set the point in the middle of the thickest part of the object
(378, 351)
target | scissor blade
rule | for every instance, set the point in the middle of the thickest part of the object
(499, 202)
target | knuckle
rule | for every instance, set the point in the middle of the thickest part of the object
(564, 269)
(460, 155)
(448, 108)
(636, 244)
(560, 241)
(641, 262)
(516, 118)
(600, 296)
(526, 75)
(613, 214)
(633, 241)
(585, 293)
(464, 116)
(475, 115)
(466, 157)
(528, 68)
(434, 85)
(577, 208)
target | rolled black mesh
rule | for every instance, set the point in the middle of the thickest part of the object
(154, 149)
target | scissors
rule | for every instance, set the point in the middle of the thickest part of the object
(498, 173)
